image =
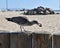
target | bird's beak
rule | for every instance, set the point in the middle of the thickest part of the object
(39, 24)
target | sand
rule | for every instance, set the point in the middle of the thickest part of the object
(50, 23)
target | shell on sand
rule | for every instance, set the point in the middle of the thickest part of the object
(50, 23)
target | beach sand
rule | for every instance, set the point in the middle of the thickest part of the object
(50, 23)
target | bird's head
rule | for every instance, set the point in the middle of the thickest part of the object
(36, 22)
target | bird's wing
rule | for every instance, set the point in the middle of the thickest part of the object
(21, 17)
(25, 17)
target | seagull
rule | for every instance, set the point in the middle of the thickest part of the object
(23, 21)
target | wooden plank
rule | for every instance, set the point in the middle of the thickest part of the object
(41, 40)
(56, 41)
(4, 40)
(20, 40)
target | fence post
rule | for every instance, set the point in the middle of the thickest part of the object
(20, 40)
(41, 40)
(56, 40)
(4, 40)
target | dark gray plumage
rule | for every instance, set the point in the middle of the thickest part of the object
(23, 21)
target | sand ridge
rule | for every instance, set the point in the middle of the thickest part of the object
(51, 23)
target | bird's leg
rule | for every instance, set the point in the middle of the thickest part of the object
(24, 29)
(21, 28)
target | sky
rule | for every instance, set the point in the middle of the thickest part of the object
(29, 4)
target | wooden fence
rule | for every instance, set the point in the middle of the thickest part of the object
(33, 40)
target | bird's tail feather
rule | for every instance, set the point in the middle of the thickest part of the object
(8, 19)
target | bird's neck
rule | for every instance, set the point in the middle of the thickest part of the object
(31, 23)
